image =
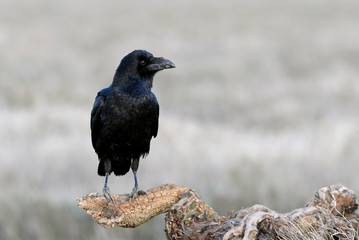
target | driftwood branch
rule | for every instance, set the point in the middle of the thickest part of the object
(331, 214)
(128, 213)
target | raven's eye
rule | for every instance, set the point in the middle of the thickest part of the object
(142, 62)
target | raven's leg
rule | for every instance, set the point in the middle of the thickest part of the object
(106, 189)
(135, 192)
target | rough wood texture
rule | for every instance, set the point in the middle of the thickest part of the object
(130, 213)
(331, 214)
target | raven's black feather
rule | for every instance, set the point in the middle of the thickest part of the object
(124, 117)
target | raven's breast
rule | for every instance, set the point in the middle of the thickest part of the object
(127, 125)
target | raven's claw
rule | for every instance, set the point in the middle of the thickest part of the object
(106, 193)
(135, 193)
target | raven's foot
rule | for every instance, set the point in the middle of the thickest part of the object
(135, 193)
(106, 193)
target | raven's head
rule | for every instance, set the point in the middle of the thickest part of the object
(142, 64)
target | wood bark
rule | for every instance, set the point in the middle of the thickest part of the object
(130, 213)
(331, 214)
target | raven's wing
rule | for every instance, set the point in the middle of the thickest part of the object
(154, 126)
(96, 123)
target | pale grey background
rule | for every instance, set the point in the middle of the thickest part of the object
(262, 107)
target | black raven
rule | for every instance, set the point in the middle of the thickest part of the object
(124, 117)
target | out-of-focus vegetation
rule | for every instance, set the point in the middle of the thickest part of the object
(262, 107)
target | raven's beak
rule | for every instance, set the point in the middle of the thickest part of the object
(160, 63)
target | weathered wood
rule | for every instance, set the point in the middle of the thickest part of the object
(331, 214)
(130, 213)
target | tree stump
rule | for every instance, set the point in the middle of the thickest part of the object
(331, 214)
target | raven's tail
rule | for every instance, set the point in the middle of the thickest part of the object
(121, 166)
(118, 166)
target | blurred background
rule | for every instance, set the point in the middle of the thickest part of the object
(263, 107)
